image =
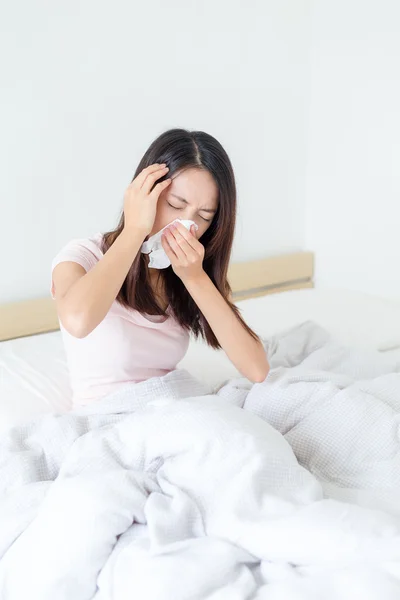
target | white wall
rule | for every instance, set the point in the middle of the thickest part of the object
(86, 86)
(353, 176)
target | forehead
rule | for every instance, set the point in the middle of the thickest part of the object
(197, 186)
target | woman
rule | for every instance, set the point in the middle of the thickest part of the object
(124, 322)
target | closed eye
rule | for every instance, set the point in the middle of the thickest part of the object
(181, 207)
(176, 207)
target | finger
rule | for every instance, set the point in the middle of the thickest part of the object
(138, 181)
(188, 236)
(160, 187)
(196, 248)
(190, 254)
(176, 247)
(151, 178)
(168, 250)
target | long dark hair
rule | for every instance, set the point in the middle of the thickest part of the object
(181, 149)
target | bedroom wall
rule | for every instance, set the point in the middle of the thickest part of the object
(353, 177)
(87, 86)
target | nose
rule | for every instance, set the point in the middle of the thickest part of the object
(188, 214)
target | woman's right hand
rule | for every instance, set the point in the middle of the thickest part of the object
(140, 198)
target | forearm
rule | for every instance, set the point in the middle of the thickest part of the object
(89, 299)
(246, 353)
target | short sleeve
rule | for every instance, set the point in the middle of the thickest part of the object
(85, 252)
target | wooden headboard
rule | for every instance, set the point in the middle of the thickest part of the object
(272, 275)
(247, 279)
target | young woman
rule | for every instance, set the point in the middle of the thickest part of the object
(124, 322)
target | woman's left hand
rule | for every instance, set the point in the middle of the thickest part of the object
(184, 251)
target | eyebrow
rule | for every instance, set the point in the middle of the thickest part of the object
(209, 210)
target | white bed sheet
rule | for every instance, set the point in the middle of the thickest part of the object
(34, 375)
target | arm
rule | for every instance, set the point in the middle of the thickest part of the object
(186, 254)
(246, 353)
(83, 299)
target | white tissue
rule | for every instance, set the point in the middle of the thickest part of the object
(153, 246)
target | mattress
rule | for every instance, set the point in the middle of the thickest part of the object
(34, 374)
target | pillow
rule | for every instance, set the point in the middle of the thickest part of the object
(354, 318)
(34, 378)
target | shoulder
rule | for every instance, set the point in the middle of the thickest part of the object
(84, 251)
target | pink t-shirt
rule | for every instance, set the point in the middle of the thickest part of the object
(126, 347)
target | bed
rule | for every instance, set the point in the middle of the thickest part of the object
(272, 294)
(173, 491)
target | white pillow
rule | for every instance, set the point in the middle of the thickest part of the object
(34, 378)
(354, 318)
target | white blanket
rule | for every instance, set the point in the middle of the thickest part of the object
(164, 491)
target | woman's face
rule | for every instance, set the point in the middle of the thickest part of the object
(192, 195)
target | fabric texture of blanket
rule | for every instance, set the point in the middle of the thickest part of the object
(284, 490)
